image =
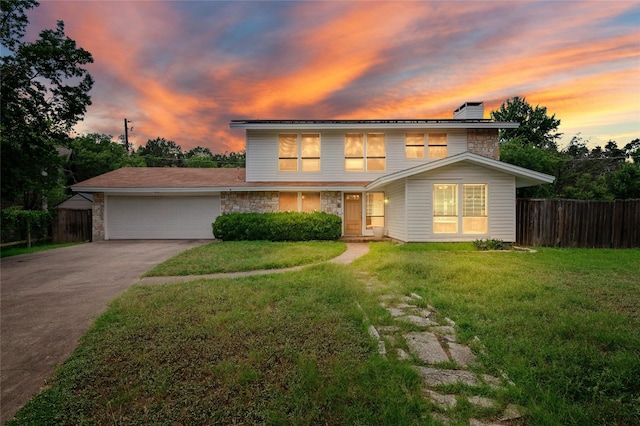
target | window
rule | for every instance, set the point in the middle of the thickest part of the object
(288, 201)
(445, 209)
(288, 153)
(299, 201)
(437, 145)
(309, 154)
(355, 147)
(375, 209)
(474, 209)
(354, 152)
(446, 215)
(414, 145)
(310, 201)
(375, 152)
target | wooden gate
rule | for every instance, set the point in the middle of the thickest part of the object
(71, 226)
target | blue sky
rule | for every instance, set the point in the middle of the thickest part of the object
(182, 69)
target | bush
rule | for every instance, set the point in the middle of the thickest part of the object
(490, 245)
(281, 226)
(18, 224)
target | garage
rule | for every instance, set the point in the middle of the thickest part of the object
(154, 217)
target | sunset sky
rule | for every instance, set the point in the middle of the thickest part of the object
(183, 69)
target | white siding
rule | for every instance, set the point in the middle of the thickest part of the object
(501, 202)
(262, 155)
(151, 217)
(395, 212)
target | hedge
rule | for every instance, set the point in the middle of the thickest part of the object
(281, 226)
(20, 225)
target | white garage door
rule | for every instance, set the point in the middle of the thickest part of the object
(161, 217)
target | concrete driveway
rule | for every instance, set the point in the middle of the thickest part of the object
(50, 298)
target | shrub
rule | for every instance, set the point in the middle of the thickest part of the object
(281, 226)
(490, 245)
(18, 224)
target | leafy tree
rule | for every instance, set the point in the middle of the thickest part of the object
(536, 127)
(43, 94)
(625, 182)
(95, 154)
(160, 152)
(530, 157)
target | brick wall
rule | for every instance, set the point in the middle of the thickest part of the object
(97, 231)
(484, 142)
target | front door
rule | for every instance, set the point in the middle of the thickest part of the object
(352, 214)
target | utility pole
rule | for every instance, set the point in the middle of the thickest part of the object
(126, 134)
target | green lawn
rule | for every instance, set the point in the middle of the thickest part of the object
(563, 324)
(231, 256)
(292, 348)
(14, 251)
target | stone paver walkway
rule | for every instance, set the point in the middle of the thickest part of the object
(442, 362)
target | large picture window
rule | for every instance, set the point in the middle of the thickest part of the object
(364, 152)
(294, 156)
(445, 209)
(474, 209)
(437, 145)
(450, 210)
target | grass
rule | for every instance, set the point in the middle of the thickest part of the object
(14, 251)
(246, 256)
(563, 324)
(282, 349)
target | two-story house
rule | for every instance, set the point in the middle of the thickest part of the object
(413, 180)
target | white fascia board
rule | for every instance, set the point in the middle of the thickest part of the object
(217, 190)
(524, 177)
(375, 126)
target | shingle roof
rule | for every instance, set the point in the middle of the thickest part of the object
(192, 178)
(164, 177)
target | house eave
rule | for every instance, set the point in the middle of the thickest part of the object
(356, 187)
(370, 124)
(524, 177)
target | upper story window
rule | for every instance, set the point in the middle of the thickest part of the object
(414, 145)
(299, 153)
(364, 152)
(310, 152)
(437, 145)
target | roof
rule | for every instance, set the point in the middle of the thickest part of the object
(180, 179)
(79, 201)
(407, 123)
(524, 177)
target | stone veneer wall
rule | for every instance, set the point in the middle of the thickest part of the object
(246, 202)
(484, 142)
(97, 217)
(269, 201)
(331, 202)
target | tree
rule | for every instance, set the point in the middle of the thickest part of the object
(95, 154)
(625, 182)
(536, 127)
(160, 152)
(43, 94)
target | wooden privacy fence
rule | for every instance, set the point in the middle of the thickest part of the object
(71, 226)
(578, 223)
